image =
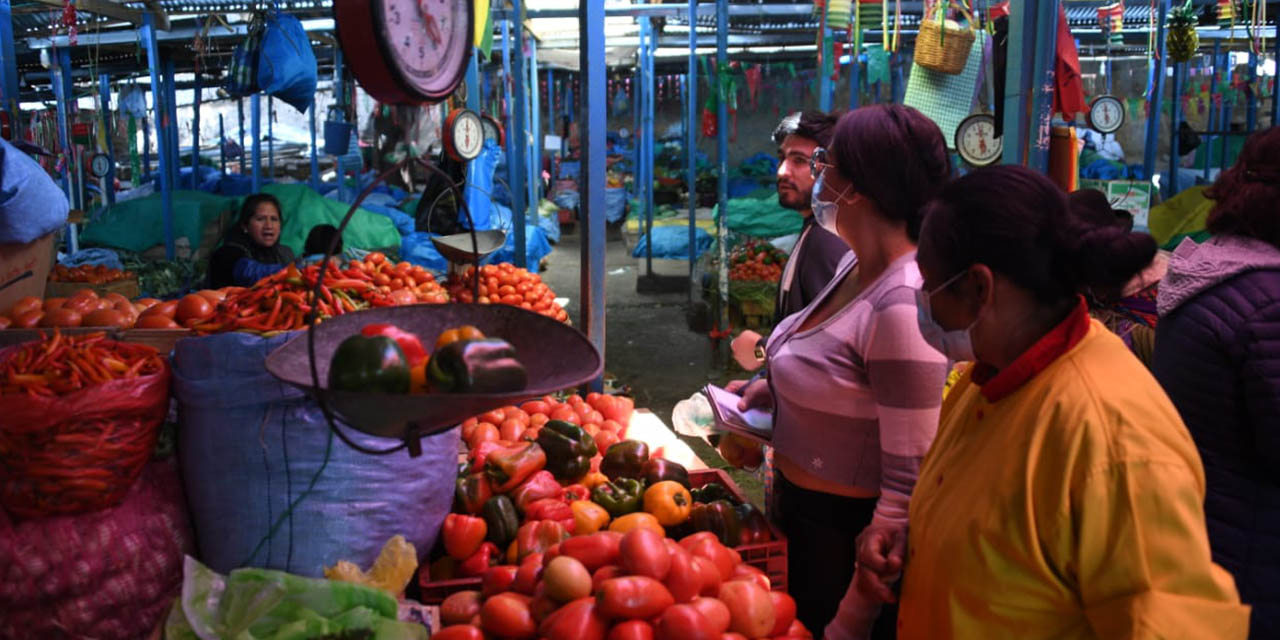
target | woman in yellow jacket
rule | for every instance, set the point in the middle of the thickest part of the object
(1063, 495)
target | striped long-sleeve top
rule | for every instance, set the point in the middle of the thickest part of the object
(857, 397)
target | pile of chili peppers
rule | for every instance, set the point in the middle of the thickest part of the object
(281, 302)
(60, 364)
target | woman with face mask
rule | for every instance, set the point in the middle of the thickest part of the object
(1063, 495)
(854, 387)
(251, 249)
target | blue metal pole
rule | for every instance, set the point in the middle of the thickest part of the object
(520, 103)
(855, 76)
(148, 36)
(315, 158)
(240, 133)
(195, 134)
(1275, 79)
(146, 145)
(512, 133)
(1226, 113)
(551, 103)
(1157, 96)
(171, 122)
(255, 130)
(1213, 107)
(222, 147)
(63, 92)
(644, 137)
(104, 91)
(1251, 106)
(1175, 116)
(8, 65)
(592, 132)
(534, 167)
(895, 80)
(1046, 33)
(691, 138)
(825, 88)
(271, 138)
(722, 156)
(473, 102)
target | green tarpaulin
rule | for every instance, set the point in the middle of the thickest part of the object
(138, 225)
(761, 216)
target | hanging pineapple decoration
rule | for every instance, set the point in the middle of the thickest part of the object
(1182, 40)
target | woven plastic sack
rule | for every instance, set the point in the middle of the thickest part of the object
(108, 575)
(242, 73)
(250, 445)
(104, 434)
(287, 65)
(31, 205)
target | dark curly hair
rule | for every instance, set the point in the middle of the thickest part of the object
(1248, 194)
(811, 124)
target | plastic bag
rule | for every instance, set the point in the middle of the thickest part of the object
(673, 243)
(287, 65)
(417, 248)
(479, 189)
(31, 205)
(104, 257)
(111, 574)
(258, 604)
(391, 572)
(242, 73)
(250, 445)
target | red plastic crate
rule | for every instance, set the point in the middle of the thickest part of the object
(769, 557)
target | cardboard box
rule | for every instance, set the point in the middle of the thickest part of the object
(1133, 196)
(24, 270)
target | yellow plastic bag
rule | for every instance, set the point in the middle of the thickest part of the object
(391, 572)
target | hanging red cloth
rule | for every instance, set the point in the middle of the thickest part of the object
(1068, 98)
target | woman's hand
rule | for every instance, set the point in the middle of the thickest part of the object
(756, 395)
(881, 548)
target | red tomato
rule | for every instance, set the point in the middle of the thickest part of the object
(468, 428)
(711, 549)
(577, 620)
(458, 632)
(750, 608)
(631, 630)
(510, 429)
(64, 317)
(566, 414)
(606, 439)
(683, 580)
(82, 305)
(460, 607)
(493, 417)
(611, 426)
(5, 322)
(798, 630)
(25, 305)
(497, 580)
(166, 308)
(593, 551)
(644, 553)
(684, 622)
(710, 576)
(193, 307)
(538, 419)
(485, 432)
(106, 318)
(751, 574)
(528, 574)
(508, 616)
(566, 579)
(535, 406)
(28, 320)
(155, 321)
(607, 572)
(636, 598)
(714, 611)
(784, 612)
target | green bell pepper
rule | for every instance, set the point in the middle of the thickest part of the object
(625, 459)
(619, 497)
(502, 520)
(369, 363)
(719, 518)
(476, 366)
(711, 492)
(569, 450)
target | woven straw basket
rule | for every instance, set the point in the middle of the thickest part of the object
(946, 53)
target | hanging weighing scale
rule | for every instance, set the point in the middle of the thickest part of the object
(493, 130)
(976, 142)
(1106, 114)
(100, 165)
(415, 52)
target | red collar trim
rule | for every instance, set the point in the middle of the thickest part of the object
(996, 384)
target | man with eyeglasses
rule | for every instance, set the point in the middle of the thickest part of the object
(817, 252)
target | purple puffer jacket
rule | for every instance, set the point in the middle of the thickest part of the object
(1217, 354)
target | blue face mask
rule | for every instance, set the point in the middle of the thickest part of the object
(825, 211)
(956, 345)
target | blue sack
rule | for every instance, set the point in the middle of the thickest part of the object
(287, 65)
(615, 204)
(479, 189)
(673, 243)
(31, 205)
(417, 248)
(104, 257)
(536, 248)
(250, 445)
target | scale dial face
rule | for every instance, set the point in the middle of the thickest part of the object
(1106, 114)
(466, 134)
(426, 41)
(976, 140)
(492, 130)
(100, 165)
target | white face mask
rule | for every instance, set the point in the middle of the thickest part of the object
(956, 345)
(825, 211)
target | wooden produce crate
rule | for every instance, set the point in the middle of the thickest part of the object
(769, 557)
(127, 287)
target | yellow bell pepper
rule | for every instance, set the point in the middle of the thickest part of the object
(669, 502)
(592, 479)
(588, 517)
(638, 520)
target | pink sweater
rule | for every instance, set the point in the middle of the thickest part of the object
(857, 397)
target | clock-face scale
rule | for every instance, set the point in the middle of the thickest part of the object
(976, 141)
(464, 134)
(406, 51)
(1106, 114)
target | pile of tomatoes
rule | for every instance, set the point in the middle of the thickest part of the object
(605, 417)
(506, 284)
(398, 282)
(85, 308)
(637, 585)
(757, 261)
(88, 274)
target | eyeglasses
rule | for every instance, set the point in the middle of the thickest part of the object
(817, 162)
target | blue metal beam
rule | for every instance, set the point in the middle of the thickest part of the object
(1251, 103)
(271, 138)
(104, 91)
(855, 76)
(146, 145)
(1175, 116)
(651, 140)
(722, 155)
(1154, 104)
(240, 133)
(1213, 105)
(147, 34)
(1275, 80)
(691, 143)
(62, 90)
(826, 90)
(592, 108)
(222, 145)
(315, 158)
(195, 133)
(1028, 98)
(510, 121)
(255, 130)
(473, 103)
(8, 66)
(171, 122)
(1226, 113)
(534, 167)
(518, 106)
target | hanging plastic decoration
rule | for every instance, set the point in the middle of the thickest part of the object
(69, 21)
(754, 75)
(1182, 40)
(1227, 14)
(838, 12)
(1111, 19)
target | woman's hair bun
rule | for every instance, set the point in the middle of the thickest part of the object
(1105, 255)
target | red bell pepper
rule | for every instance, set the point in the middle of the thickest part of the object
(539, 486)
(471, 492)
(480, 454)
(463, 535)
(508, 467)
(576, 492)
(412, 347)
(549, 509)
(478, 562)
(538, 537)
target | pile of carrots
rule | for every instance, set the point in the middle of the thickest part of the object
(58, 365)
